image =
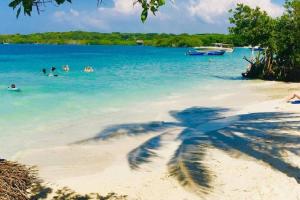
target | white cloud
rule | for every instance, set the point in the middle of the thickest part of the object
(74, 13)
(79, 19)
(121, 7)
(213, 11)
(125, 7)
(100, 17)
(59, 15)
(177, 17)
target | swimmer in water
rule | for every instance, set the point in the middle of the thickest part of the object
(44, 71)
(52, 72)
(88, 69)
(13, 87)
(66, 68)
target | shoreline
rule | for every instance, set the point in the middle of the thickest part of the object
(146, 147)
(72, 130)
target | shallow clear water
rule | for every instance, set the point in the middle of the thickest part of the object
(124, 75)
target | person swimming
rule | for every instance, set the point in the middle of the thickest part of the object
(52, 72)
(66, 68)
(13, 87)
(88, 69)
(44, 71)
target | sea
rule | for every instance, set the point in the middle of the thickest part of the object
(123, 77)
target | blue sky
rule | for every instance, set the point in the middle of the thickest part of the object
(180, 16)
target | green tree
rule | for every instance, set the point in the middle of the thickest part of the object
(288, 38)
(279, 37)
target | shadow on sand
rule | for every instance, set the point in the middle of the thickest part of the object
(262, 136)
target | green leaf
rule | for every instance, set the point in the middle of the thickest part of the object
(18, 12)
(14, 3)
(144, 15)
(161, 2)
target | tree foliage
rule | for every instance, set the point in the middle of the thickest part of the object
(254, 26)
(149, 5)
(27, 5)
(279, 37)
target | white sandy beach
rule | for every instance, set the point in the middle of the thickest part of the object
(236, 143)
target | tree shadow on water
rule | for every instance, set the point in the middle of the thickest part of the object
(264, 136)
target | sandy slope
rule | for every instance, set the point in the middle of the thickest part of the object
(249, 152)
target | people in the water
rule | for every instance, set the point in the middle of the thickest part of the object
(44, 71)
(52, 72)
(66, 68)
(88, 69)
(13, 87)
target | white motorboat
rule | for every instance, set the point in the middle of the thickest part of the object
(217, 47)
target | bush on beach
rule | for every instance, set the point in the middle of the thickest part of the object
(16, 180)
(20, 182)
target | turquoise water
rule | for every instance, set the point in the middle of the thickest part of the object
(124, 75)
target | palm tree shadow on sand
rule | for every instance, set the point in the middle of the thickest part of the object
(262, 136)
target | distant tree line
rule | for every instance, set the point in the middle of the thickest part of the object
(94, 38)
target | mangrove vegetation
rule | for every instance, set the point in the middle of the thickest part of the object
(279, 37)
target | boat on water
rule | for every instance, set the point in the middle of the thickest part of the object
(256, 48)
(216, 47)
(205, 52)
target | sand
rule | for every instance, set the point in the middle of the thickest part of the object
(228, 145)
